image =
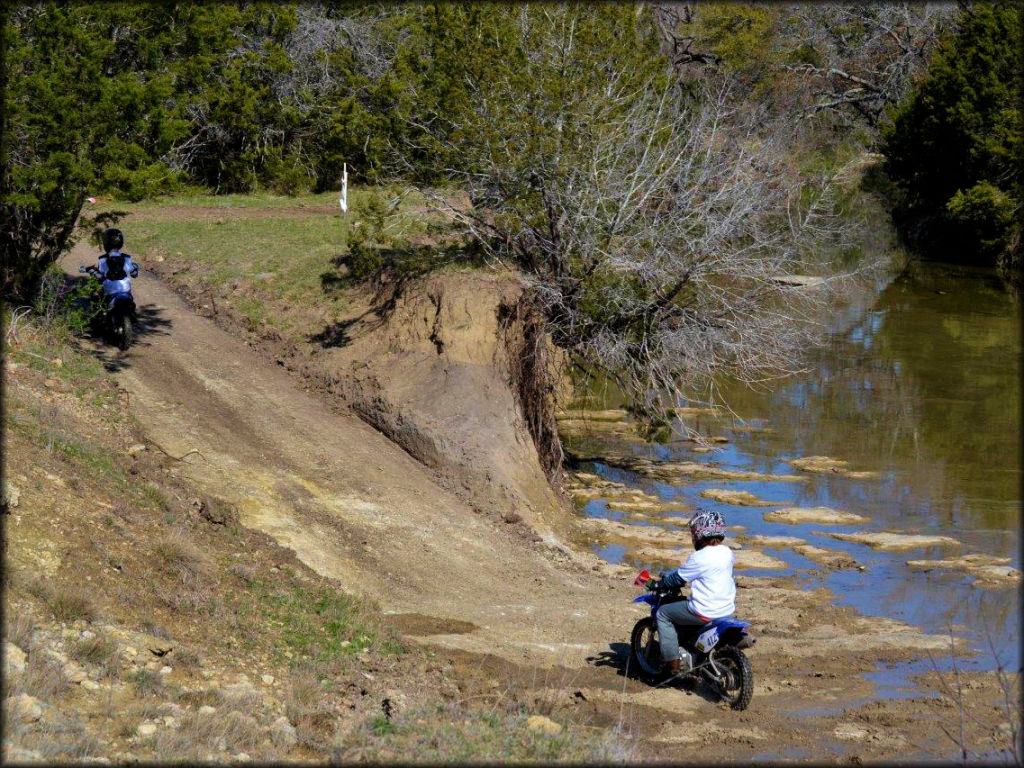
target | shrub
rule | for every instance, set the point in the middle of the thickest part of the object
(147, 682)
(70, 604)
(43, 677)
(95, 650)
(985, 216)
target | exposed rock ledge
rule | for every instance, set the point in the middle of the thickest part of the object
(893, 542)
(991, 571)
(820, 515)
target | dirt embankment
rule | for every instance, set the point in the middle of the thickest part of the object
(430, 369)
(434, 375)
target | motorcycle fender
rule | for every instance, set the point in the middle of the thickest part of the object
(649, 598)
(707, 640)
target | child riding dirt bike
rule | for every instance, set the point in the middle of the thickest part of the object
(712, 587)
(696, 639)
(115, 271)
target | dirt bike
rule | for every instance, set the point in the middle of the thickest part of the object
(712, 653)
(116, 320)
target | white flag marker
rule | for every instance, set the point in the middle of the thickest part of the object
(344, 188)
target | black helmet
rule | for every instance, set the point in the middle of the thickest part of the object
(112, 239)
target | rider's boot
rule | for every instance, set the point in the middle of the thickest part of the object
(672, 667)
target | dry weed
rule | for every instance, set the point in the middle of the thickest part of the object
(43, 678)
(200, 735)
(144, 710)
(200, 697)
(307, 708)
(247, 573)
(66, 603)
(126, 512)
(241, 731)
(187, 657)
(19, 629)
(179, 553)
(179, 556)
(94, 650)
(61, 739)
(147, 682)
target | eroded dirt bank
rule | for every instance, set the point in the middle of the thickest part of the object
(358, 509)
(428, 367)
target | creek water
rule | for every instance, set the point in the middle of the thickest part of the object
(920, 382)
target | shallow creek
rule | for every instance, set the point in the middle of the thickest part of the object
(918, 389)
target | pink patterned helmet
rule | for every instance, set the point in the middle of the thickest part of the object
(707, 524)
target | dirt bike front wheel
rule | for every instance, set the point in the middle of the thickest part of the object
(736, 685)
(125, 333)
(645, 648)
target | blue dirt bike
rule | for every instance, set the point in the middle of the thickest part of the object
(115, 321)
(712, 653)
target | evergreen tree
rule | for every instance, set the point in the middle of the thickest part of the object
(954, 146)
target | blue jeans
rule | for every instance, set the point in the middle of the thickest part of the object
(668, 617)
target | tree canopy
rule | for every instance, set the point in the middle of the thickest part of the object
(954, 146)
(651, 171)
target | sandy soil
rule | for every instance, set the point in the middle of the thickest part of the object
(354, 506)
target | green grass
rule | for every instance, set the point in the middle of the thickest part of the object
(267, 265)
(201, 198)
(318, 624)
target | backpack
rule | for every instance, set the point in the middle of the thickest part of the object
(115, 267)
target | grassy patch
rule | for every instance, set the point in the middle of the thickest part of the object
(279, 269)
(264, 199)
(452, 734)
(315, 623)
(67, 603)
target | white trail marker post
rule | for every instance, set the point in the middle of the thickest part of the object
(344, 188)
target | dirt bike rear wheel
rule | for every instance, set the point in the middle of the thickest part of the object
(645, 648)
(737, 684)
(125, 333)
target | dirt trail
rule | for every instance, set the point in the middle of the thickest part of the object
(356, 508)
(350, 503)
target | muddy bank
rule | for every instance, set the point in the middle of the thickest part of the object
(828, 558)
(894, 542)
(826, 465)
(739, 498)
(680, 471)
